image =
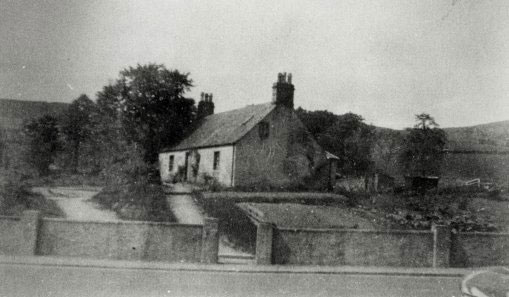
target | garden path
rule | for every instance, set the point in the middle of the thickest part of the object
(76, 204)
(186, 211)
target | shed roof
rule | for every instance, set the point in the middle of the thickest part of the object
(225, 127)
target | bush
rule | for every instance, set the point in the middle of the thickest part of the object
(140, 201)
(16, 197)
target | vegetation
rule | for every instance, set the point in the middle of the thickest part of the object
(423, 147)
(44, 143)
(346, 136)
(16, 196)
(77, 126)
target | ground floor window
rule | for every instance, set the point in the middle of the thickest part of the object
(171, 163)
(216, 160)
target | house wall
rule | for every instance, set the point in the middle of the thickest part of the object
(287, 156)
(223, 174)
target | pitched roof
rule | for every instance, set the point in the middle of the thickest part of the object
(225, 127)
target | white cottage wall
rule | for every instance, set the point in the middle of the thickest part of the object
(223, 173)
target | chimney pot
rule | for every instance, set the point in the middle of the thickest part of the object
(282, 90)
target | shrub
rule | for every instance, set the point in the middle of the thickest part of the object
(16, 196)
(140, 201)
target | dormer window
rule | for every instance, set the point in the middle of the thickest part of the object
(263, 130)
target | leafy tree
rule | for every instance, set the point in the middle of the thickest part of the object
(422, 151)
(44, 142)
(77, 125)
(154, 112)
(346, 136)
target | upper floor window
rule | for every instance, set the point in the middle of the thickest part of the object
(216, 160)
(171, 163)
(263, 130)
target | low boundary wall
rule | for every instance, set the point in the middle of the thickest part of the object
(125, 240)
(275, 197)
(438, 247)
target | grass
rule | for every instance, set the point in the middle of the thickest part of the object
(294, 215)
(136, 201)
(16, 198)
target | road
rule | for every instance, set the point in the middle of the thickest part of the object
(40, 280)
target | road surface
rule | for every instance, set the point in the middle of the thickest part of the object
(38, 280)
(76, 204)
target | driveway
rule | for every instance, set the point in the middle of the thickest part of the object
(76, 204)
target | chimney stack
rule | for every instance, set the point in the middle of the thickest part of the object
(205, 106)
(282, 90)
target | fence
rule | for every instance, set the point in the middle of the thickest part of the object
(126, 240)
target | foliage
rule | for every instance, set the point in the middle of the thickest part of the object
(77, 125)
(44, 142)
(346, 136)
(154, 111)
(386, 149)
(422, 152)
(16, 196)
(140, 201)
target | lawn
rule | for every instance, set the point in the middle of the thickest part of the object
(294, 215)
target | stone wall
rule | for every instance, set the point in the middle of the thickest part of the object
(353, 247)
(475, 249)
(10, 241)
(126, 240)
(285, 157)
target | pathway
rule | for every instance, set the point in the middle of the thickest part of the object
(187, 212)
(76, 204)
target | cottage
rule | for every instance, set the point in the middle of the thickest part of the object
(258, 144)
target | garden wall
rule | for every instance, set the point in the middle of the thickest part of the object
(353, 247)
(476, 249)
(126, 240)
(10, 239)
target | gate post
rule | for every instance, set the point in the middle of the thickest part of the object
(264, 233)
(29, 230)
(210, 241)
(441, 245)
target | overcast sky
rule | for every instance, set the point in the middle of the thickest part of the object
(386, 60)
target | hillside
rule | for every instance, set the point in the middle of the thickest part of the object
(492, 137)
(14, 112)
(480, 151)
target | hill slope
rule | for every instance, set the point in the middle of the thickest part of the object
(14, 112)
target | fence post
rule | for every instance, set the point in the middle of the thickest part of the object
(29, 229)
(441, 245)
(264, 233)
(210, 240)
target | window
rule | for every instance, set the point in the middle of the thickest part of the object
(171, 163)
(216, 160)
(263, 130)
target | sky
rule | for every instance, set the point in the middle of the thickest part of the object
(386, 60)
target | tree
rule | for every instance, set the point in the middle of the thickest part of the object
(346, 136)
(423, 146)
(44, 142)
(154, 111)
(77, 125)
